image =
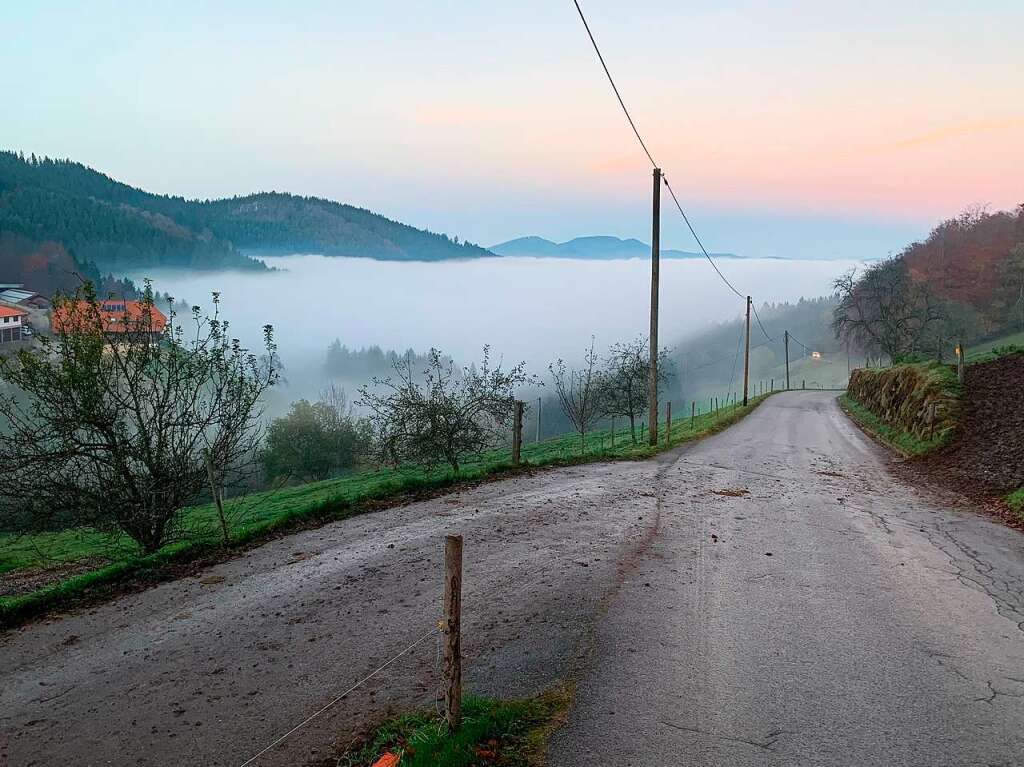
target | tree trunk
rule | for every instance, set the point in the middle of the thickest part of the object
(632, 427)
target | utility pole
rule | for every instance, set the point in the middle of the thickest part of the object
(746, 358)
(787, 360)
(538, 419)
(652, 412)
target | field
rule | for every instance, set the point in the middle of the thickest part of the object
(983, 352)
(37, 571)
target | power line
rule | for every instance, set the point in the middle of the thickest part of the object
(689, 226)
(612, 81)
(794, 338)
(736, 359)
(752, 306)
(639, 138)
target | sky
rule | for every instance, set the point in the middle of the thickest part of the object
(794, 128)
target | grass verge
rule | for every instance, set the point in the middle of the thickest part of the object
(902, 441)
(494, 733)
(259, 517)
(1016, 502)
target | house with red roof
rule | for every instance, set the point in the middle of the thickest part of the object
(12, 323)
(118, 319)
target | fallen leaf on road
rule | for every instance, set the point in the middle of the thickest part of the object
(209, 580)
(737, 492)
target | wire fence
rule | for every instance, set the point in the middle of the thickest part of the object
(409, 648)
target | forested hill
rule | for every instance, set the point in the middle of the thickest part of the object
(119, 228)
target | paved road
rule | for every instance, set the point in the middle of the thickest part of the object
(800, 606)
(208, 670)
(882, 630)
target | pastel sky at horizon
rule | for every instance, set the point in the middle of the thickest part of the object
(792, 128)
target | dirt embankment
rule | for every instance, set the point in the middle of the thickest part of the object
(987, 455)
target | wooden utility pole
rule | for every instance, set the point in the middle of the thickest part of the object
(453, 631)
(517, 432)
(746, 358)
(786, 337)
(693, 412)
(652, 412)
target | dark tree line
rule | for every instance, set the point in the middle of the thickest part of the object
(963, 283)
(99, 220)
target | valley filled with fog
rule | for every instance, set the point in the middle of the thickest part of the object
(526, 308)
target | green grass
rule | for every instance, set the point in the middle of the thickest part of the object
(908, 443)
(1016, 501)
(260, 516)
(990, 350)
(506, 733)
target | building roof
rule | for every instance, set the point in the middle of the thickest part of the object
(117, 316)
(17, 295)
(11, 311)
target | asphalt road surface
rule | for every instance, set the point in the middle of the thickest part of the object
(801, 606)
(885, 627)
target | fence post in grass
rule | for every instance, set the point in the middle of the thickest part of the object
(668, 422)
(773, 385)
(453, 631)
(693, 413)
(803, 383)
(517, 432)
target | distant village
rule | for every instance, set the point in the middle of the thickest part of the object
(26, 314)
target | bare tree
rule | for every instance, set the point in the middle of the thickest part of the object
(579, 392)
(444, 415)
(625, 378)
(885, 310)
(117, 420)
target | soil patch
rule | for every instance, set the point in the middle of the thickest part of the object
(987, 455)
(18, 582)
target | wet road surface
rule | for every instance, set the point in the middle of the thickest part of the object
(883, 629)
(801, 606)
(209, 669)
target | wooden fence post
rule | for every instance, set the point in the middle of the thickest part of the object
(517, 432)
(693, 413)
(668, 422)
(453, 631)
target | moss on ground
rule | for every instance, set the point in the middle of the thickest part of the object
(904, 441)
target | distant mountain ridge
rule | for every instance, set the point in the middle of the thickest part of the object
(592, 248)
(119, 228)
